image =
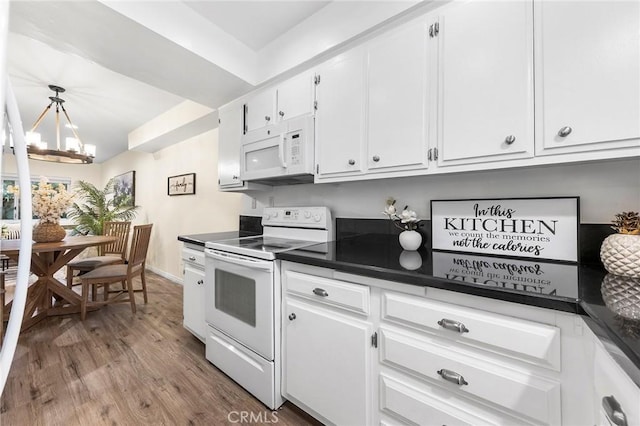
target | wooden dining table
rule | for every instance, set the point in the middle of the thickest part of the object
(48, 296)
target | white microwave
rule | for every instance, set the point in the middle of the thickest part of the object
(280, 153)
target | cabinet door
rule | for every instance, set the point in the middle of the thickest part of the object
(485, 82)
(587, 75)
(260, 110)
(397, 100)
(229, 135)
(616, 396)
(295, 97)
(194, 300)
(340, 115)
(327, 363)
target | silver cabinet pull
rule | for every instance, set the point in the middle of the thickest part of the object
(352, 162)
(376, 158)
(266, 117)
(192, 258)
(613, 410)
(564, 132)
(234, 177)
(292, 316)
(453, 325)
(453, 377)
(320, 292)
(281, 113)
(200, 282)
(510, 139)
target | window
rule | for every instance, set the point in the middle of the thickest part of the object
(10, 197)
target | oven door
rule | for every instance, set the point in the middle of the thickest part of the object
(239, 292)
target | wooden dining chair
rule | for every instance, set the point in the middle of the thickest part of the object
(124, 273)
(108, 254)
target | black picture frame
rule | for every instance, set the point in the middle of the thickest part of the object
(124, 189)
(181, 184)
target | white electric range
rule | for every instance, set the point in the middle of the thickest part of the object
(243, 297)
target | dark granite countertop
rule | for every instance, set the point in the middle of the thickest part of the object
(584, 289)
(248, 225)
(200, 239)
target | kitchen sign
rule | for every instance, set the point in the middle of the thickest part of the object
(540, 228)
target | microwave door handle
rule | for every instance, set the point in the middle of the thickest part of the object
(281, 151)
(242, 261)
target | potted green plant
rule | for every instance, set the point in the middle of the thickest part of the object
(94, 207)
(620, 252)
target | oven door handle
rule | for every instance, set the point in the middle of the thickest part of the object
(249, 262)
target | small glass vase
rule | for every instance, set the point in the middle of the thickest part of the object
(47, 232)
(410, 240)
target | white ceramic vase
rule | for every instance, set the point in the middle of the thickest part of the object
(620, 255)
(410, 240)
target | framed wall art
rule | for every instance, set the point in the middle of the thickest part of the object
(182, 184)
(540, 228)
(124, 189)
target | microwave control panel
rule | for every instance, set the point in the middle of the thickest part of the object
(295, 147)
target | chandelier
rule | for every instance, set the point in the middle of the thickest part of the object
(75, 151)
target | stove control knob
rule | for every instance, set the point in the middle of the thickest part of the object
(275, 213)
(307, 214)
(316, 217)
(267, 216)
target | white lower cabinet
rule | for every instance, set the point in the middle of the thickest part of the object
(193, 292)
(327, 349)
(617, 398)
(361, 351)
(479, 376)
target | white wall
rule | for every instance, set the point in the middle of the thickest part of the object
(206, 211)
(605, 188)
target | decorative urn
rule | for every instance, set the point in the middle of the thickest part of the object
(620, 252)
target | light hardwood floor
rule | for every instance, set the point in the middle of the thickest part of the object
(117, 368)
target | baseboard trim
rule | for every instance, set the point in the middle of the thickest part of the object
(166, 275)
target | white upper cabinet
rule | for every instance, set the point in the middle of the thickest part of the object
(229, 135)
(295, 97)
(260, 110)
(340, 116)
(587, 75)
(485, 82)
(397, 99)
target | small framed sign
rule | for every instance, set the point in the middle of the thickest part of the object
(540, 228)
(182, 184)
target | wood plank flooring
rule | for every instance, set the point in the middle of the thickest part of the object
(117, 368)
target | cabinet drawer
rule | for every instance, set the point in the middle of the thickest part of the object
(612, 383)
(486, 378)
(526, 340)
(418, 403)
(352, 297)
(193, 256)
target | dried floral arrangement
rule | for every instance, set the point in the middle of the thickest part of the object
(627, 223)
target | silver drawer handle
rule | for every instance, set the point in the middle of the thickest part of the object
(200, 282)
(352, 162)
(376, 158)
(320, 292)
(292, 316)
(192, 258)
(613, 410)
(453, 325)
(266, 117)
(510, 139)
(281, 113)
(453, 377)
(564, 132)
